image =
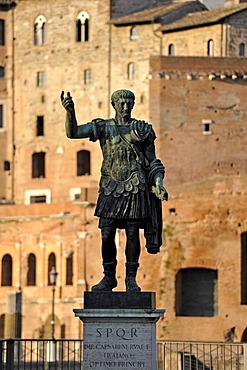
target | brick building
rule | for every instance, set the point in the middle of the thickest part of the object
(201, 124)
(49, 183)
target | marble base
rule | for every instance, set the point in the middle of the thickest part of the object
(119, 338)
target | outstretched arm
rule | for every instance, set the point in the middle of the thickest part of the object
(73, 131)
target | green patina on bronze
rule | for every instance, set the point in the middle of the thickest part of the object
(131, 184)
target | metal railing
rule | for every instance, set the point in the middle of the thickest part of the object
(64, 354)
(40, 354)
(201, 356)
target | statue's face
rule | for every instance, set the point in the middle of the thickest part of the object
(123, 107)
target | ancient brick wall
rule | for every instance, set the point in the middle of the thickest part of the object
(206, 178)
(6, 97)
(63, 60)
(42, 229)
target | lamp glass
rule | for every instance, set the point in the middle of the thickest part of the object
(53, 275)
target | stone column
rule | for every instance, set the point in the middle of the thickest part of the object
(12, 327)
(119, 330)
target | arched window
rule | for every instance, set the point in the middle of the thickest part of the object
(87, 76)
(69, 269)
(241, 49)
(83, 163)
(131, 71)
(171, 50)
(82, 27)
(31, 272)
(6, 270)
(196, 292)
(210, 49)
(51, 263)
(38, 165)
(40, 30)
(133, 33)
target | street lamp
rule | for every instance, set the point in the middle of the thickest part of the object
(53, 278)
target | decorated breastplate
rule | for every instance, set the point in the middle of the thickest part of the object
(121, 171)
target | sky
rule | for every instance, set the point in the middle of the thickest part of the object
(212, 4)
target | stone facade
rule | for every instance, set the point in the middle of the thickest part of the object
(206, 172)
(220, 35)
(6, 100)
(186, 41)
(64, 62)
(178, 95)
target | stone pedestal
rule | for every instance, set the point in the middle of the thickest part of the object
(119, 330)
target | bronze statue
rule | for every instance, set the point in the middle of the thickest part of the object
(131, 185)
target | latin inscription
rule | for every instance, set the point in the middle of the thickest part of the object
(118, 347)
(114, 364)
(128, 347)
(120, 333)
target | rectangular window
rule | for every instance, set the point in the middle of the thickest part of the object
(196, 292)
(87, 76)
(38, 196)
(41, 78)
(207, 126)
(69, 270)
(6, 165)
(244, 268)
(1, 116)
(38, 165)
(83, 163)
(2, 32)
(40, 126)
(38, 199)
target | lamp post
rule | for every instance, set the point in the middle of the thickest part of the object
(53, 278)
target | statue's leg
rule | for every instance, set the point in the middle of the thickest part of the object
(109, 254)
(132, 252)
(109, 250)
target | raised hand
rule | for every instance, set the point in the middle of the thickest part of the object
(67, 102)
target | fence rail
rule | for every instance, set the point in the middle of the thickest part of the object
(201, 356)
(64, 354)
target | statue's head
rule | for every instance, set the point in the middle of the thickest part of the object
(123, 102)
(122, 94)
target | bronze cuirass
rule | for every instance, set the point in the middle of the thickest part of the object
(121, 166)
